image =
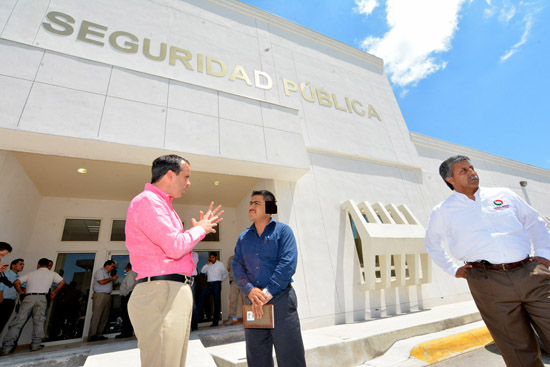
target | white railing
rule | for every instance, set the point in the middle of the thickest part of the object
(387, 233)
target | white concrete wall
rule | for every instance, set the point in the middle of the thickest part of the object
(19, 203)
(93, 91)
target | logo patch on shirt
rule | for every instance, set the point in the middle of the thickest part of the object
(499, 204)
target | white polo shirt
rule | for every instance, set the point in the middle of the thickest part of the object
(40, 280)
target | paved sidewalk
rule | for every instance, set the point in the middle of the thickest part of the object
(348, 345)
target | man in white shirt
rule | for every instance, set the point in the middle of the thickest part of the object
(126, 289)
(216, 274)
(491, 230)
(103, 286)
(38, 285)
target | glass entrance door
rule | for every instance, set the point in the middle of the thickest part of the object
(200, 284)
(114, 325)
(67, 311)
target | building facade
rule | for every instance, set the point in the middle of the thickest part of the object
(253, 101)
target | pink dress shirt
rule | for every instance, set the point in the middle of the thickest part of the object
(155, 236)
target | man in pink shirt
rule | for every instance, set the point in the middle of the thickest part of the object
(160, 251)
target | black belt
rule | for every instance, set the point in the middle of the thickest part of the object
(172, 277)
(484, 264)
(36, 294)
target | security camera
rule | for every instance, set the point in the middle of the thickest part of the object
(523, 183)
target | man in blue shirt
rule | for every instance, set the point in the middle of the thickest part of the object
(103, 286)
(264, 262)
(8, 294)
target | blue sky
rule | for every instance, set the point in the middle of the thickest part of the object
(471, 72)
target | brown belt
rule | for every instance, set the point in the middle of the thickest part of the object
(488, 266)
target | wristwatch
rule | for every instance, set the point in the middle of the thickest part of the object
(267, 293)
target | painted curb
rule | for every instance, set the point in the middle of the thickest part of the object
(438, 349)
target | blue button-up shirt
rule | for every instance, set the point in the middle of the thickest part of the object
(102, 288)
(9, 293)
(268, 260)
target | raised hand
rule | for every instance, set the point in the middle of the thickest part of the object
(210, 219)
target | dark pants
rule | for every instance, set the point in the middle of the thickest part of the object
(286, 337)
(509, 302)
(214, 289)
(127, 328)
(6, 308)
(195, 317)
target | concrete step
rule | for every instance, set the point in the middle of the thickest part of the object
(351, 345)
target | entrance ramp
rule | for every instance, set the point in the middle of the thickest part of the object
(347, 345)
(351, 345)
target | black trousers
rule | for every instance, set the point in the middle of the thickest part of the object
(127, 328)
(6, 308)
(214, 289)
(286, 337)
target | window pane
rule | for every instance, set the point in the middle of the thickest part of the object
(81, 230)
(213, 237)
(117, 231)
(120, 263)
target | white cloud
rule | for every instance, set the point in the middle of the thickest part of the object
(490, 10)
(528, 24)
(526, 11)
(507, 13)
(419, 31)
(365, 6)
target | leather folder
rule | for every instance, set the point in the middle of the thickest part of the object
(266, 322)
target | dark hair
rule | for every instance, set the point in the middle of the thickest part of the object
(44, 262)
(14, 262)
(5, 246)
(213, 253)
(268, 196)
(446, 168)
(165, 163)
(108, 262)
(129, 265)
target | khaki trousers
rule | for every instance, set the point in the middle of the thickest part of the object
(234, 295)
(509, 302)
(32, 304)
(100, 313)
(160, 312)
